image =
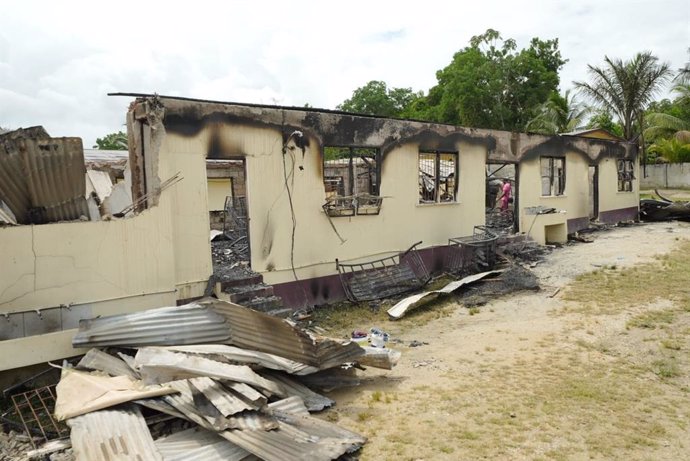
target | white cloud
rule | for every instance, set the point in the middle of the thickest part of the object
(59, 59)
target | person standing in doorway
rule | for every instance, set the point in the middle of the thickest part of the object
(506, 192)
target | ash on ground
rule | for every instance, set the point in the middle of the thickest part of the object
(515, 278)
(230, 262)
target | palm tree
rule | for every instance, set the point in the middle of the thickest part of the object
(559, 114)
(625, 88)
(661, 125)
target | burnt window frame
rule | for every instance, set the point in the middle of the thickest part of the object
(351, 204)
(625, 176)
(552, 176)
(437, 181)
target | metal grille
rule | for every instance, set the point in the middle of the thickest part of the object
(235, 226)
(552, 176)
(34, 409)
(438, 177)
(474, 253)
(351, 180)
(385, 277)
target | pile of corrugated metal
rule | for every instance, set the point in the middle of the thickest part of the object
(230, 383)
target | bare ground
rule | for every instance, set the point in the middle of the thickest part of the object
(590, 367)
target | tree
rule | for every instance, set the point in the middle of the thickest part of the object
(666, 118)
(112, 141)
(560, 114)
(626, 88)
(375, 98)
(603, 119)
(490, 84)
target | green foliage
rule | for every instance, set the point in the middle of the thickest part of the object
(560, 114)
(604, 120)
(112, 141)
(375, 98)
(672, 150)
(490, 84)
(626, 88)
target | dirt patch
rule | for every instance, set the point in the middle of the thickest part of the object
(553, 374)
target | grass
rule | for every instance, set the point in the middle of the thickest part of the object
(341, 319)
(610, 289)
(652, 319)
(618, 389)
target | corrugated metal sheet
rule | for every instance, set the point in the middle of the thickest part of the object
(292, 404)
(42, 179)
(215, 321)
(98, 360)
(223, 399)
(161, 366)
(193, 406)
(105, 156)
(6, 215)
(261, 332)
(188, 324)
(298, 438)
(233, 354)
(312, 400)
(113, 435)
(198, 444)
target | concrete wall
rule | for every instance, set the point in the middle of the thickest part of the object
(614, 206)
(52, 275)
(572, 205)
(610, 199)
(401, 222)
(666, 175)
(218, 189)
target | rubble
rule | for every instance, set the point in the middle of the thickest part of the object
(411, 302)
(663, 209)
(244, 390)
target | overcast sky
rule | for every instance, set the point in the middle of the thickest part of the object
(58, 60)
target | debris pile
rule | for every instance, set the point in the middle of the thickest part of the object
(664, 209)
(232, 382)
(521, 248)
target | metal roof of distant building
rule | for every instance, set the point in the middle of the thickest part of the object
(102, 155)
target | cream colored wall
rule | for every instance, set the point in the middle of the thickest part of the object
(30, 350)
(148, 260)
(79, 262)
(401, 223)
(609, 197)
(188, 202)
(575, 200)
(218, 189)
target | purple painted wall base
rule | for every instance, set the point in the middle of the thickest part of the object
(327, 290)
(577, 224)
(621, 214)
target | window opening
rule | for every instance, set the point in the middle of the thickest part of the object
(351, 180)
(626, 175)
(552, 176)
(438, 172)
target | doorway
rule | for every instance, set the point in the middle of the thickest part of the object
(593, 193)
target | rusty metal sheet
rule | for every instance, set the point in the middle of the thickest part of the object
(188, 324)
(42, 179)
(214, 321)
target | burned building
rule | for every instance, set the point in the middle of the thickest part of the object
(315, 186)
